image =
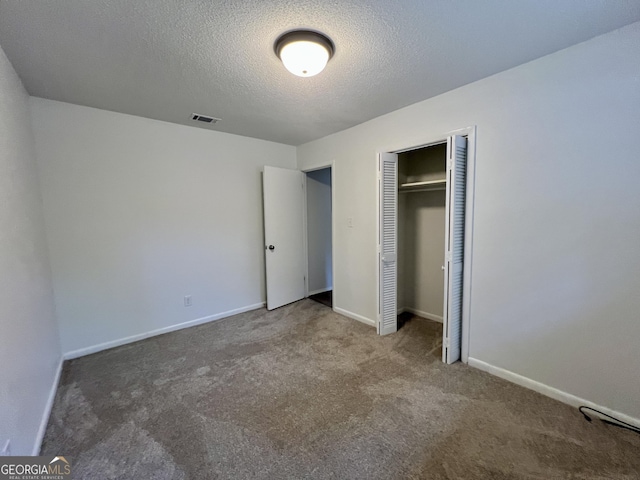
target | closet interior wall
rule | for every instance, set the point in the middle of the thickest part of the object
(319, 248)
(421, 232)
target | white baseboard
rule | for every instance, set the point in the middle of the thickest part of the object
(355, 316)
(172, 328)
(551, 392)
(47, 410)
(420, 313)
(322, 290)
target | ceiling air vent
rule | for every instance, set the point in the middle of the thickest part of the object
(204, 118)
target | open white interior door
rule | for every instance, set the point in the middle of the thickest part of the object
(283, 233)
(388, 319)
(454, 248)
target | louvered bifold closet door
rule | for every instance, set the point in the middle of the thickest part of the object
(388, 243)
(454, 247)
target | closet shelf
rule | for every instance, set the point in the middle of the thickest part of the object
(423, 186)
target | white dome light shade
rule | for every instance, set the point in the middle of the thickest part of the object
(304, 53)
(304, 59)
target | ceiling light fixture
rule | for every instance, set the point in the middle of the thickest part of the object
(304, 53)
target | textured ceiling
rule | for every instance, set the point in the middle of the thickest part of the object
(165, 59)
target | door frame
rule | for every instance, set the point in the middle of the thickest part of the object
(330, 165)
(429, 140)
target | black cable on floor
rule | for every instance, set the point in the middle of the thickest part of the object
(616, 422)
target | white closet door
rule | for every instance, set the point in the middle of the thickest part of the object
(388, 322)
(454, 248)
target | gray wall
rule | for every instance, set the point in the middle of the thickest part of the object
(319, 230)
(29, 344)
(423, 252)
(140, 213)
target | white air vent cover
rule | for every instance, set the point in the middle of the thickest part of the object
(204, 118)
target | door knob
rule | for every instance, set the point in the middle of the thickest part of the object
(442, 267)
(272, 248)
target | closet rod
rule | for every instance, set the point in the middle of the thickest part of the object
(440, 184)
(420, 184)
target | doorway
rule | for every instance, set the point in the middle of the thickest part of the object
(421, 232)
(319, 234)
(298, 234)
(425, 237)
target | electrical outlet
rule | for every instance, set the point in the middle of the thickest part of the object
(350, 222)
(6, 451)
(187, 301)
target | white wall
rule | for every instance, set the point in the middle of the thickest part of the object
(423, 252)
(319, 230)
(140, 213)
(555, 259)
(29, 343)
(402, 253)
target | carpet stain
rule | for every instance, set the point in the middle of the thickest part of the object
(301, 392)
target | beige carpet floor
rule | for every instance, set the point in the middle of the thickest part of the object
(301, 392)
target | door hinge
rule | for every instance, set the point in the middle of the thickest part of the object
(446, 343)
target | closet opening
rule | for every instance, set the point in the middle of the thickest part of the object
(319, 279)
(421, 236)
(425, 237)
